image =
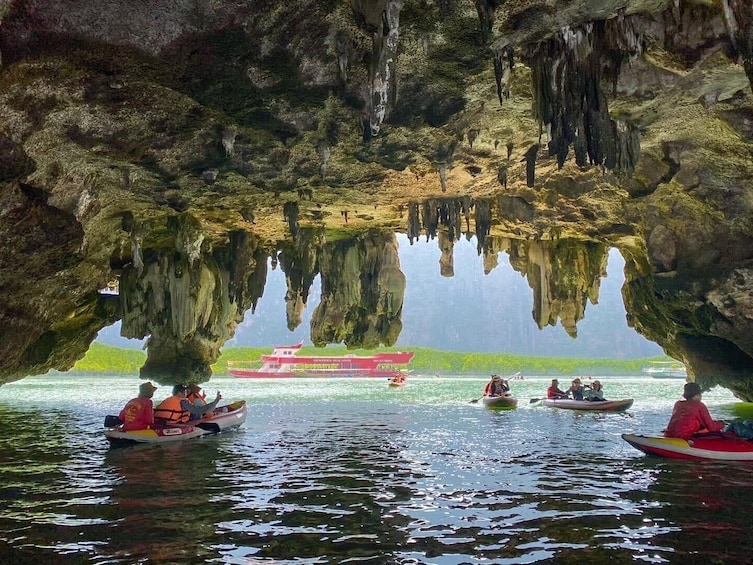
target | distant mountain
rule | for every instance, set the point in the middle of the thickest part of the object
(470, 312)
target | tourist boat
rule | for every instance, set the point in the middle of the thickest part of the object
(223, 418)
(713, 447)
(507, 402)
(666, 370)
(285, 363)
(589, 405)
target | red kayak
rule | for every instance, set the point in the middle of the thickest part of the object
(714, 447)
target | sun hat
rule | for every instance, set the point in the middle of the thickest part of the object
(147, 388)
(690, 390)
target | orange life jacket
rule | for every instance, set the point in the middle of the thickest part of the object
(193, 397)
(202, 401)
(171, 411)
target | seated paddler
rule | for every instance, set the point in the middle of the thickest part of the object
(497, 387)
(199, 407)
(177, 409)
(138, 414)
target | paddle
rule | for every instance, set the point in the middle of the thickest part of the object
(475, 400)
(534, 400)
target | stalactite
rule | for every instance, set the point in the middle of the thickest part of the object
(483, 223)
(299, 261)
(567, 72)
(414, 222)
(442, 170)
(530, 159)
(363, 290)
(447, 259)
(485, 10)
(503, 67)
(738, 18)
(290, 211)
(383, 89)
(430, 217)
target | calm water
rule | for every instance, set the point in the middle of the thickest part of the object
(349, 471)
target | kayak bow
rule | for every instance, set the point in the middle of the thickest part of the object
(713, 447)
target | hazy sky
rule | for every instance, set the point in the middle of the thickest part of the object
(501, 300)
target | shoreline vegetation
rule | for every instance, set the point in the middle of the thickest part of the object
(106, 360)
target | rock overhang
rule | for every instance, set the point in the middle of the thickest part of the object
(229, 120)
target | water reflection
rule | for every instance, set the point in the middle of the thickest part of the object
(162, 502)
(341, 471)
(328, 495)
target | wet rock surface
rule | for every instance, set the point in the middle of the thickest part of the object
(165, 150)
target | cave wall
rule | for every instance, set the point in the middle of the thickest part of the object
(292, 131)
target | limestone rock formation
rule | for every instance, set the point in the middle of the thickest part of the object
(362, 293)
(154, 155)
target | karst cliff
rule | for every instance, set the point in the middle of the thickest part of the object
(155, 155)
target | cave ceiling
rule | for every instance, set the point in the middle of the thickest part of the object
(155, 155)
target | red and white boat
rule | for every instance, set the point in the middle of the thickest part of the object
(284, 363)
(727, 447)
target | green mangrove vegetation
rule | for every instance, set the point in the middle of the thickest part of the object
(106, 360)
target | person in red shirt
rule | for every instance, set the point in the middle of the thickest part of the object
(138, 413)
(554, 390)
(690, 416)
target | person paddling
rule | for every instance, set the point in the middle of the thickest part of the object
(554, 390)
(138, 413)
(497, 387)
(690, 416)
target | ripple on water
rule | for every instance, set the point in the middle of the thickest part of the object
(342, 472)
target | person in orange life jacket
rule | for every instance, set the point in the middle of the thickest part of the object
(690, 416)
(496, 387)
(198, 401)
(138, 413)
(554, 390)
(171, 410)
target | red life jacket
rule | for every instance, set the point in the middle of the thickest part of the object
(171, 411)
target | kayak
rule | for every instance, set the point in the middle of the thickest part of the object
(590, 405)
(397, 383)
(223, 418)
(726, 448)
(500, 402)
